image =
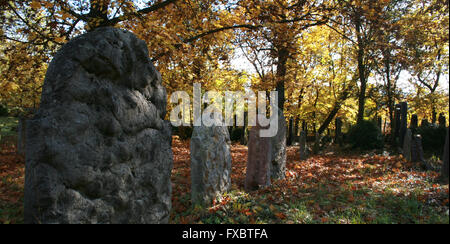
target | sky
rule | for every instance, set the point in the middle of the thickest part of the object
(239, 62)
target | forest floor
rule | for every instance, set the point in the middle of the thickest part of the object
(330, 188)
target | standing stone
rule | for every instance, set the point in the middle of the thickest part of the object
(210, 163)
(98, 149)
(407, 145)
(303, 149)
(259, 157)
(417, 150)
(278, 161)
(414, 122)
(397, 120)
(445, 168)
(21, 135)
(404, 122)
(442, 120)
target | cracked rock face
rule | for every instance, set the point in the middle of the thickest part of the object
(98, 150)
(210, 163)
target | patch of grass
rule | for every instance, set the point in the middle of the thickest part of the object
(8, 128)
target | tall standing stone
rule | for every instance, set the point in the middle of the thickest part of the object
(98, 149)
(397, 122)
(259, 159)
(417, 150)
(303, 149)
(210, 163)
(278, 161)
(407, 140)
(445, 168)
(404, 121)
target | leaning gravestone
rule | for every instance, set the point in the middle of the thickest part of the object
(278, 162)
(98, 149)
(259, 157)
(210, 163)
(303, 149)
(407, 141)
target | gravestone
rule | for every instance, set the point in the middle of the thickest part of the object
(210, 163)
(397, 121)
(407, 140)
(98, 149)
(445, 168)
(303, 150)
(404, 122)
(417, 150)
(259, 159)
(278, 161)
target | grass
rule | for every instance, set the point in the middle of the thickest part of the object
(8, 129)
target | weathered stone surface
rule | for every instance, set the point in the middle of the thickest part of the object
(303, 150)
(210, 163)
(417, 150)
(404, 122)
(397, 122)
(259, 159)
(98, 149)
(278, 161)
(407, 141)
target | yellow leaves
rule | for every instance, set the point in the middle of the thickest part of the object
(9, 86)
(60, 39)
(36, 5)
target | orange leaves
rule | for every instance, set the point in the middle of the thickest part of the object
(280, 215)
(35, 5)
